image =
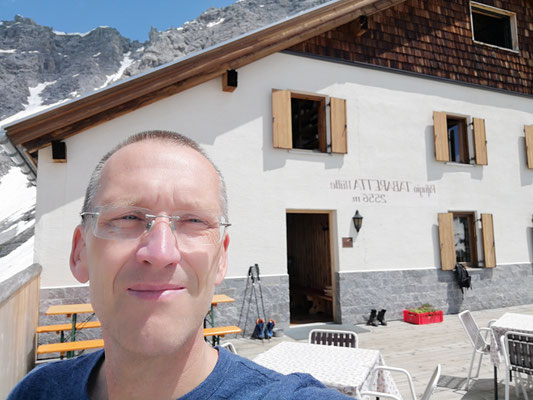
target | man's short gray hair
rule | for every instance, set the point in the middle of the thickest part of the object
(158, 135)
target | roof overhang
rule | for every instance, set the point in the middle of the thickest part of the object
(72, 117)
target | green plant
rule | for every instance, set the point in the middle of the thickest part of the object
(424, 308)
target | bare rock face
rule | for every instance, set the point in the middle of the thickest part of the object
(70, 65)
(215, 25)
(67, 65)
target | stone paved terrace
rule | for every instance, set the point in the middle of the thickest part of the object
(418, 348)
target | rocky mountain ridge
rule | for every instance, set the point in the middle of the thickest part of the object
(38, 64)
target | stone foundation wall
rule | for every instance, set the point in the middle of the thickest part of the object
(275, 296)
(357, 293)
(506, 285)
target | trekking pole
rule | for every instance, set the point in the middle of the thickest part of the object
(252, 291)
(243, 303)
(259, 327)
(261, 291)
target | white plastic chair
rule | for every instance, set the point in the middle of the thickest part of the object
(334, 338)
(517, 349)
(478, 338)
(430, 388)
(230, 347)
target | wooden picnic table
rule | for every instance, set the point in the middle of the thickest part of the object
(72, 310)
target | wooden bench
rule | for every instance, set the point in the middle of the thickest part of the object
(61, 328)
(220, 331)
(67, 327)
(64, 347)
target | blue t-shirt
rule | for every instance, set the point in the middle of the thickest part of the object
(233, 377)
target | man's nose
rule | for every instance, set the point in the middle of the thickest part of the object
(159, 246)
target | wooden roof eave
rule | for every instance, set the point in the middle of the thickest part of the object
(66, 120)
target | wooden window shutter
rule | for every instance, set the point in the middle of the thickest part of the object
(480, 141)
(339, 142)
(489, 249)
(447, 242)
(529, 145)
(281, 119)
(440, 132)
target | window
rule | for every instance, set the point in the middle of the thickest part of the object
(299, 121)
(464, 234)
(456, 142)
(308, 122)
(458, 240)
(529, 145)
(494, 26)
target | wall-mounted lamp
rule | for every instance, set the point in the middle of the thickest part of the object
(357, 220)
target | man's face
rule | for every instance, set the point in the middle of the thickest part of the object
(151, 294)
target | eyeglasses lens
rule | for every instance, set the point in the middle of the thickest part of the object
(127, 223)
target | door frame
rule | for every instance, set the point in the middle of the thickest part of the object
(332, 249)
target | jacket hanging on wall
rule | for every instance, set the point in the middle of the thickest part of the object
(464, 280)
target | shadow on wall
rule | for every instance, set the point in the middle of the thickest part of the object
(436, 244)
(529, 238)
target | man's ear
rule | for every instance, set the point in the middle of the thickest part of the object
(78, 255)
(223, 261)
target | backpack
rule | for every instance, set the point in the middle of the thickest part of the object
(463, 277)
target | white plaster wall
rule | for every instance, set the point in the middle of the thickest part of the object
(390, 137)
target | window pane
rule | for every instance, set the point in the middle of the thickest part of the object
(453, 138)
(458, 140)
(305, 124)
(492, 29)
(461, 229)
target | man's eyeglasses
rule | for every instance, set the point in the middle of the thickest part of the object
(129, 223)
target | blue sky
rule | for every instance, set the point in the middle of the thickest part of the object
(132, 18)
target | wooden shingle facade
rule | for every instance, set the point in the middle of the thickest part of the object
(435, 38)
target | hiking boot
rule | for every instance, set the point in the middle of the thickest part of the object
(269, 328)
(372, 318)
(259, 331)
(381, 317)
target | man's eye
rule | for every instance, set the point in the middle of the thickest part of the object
(193, 220)
(130, 217)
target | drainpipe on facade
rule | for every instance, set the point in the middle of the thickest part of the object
(18, 157)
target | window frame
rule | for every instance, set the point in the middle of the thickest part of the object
(463, 140)
(481, 8)
(472, 233)
(322, 119)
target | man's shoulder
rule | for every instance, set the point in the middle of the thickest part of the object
(58, 380)
(241, 378)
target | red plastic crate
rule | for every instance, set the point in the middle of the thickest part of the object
(422, 318)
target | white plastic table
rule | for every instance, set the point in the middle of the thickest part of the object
(342, 368)
(507, 322)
